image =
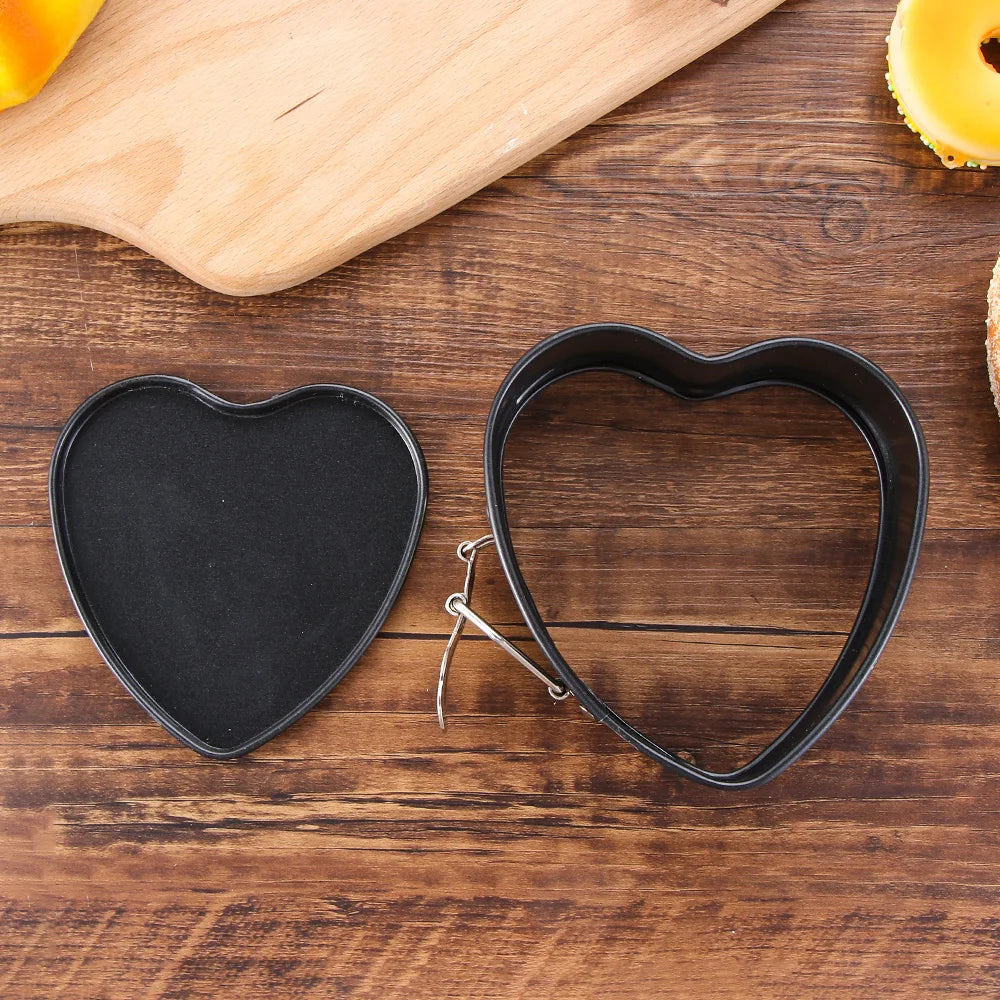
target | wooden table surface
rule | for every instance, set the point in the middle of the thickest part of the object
(768, 189)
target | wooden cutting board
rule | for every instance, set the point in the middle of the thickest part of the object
(253, 146)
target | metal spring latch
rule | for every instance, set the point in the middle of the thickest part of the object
(457, 605)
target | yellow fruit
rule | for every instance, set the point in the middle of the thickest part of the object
(35, 37)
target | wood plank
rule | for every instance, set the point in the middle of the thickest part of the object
(254, 149)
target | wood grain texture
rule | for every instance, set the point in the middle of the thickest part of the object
(767, 189)
(255, 146)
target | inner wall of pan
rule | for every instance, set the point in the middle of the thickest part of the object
(698, 564)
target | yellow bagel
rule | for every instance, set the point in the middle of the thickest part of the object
(946, 89)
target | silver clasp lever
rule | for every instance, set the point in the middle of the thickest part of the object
(458, 606)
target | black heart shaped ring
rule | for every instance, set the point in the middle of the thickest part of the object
(868, 397)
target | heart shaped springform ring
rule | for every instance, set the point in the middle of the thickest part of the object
(845, 379)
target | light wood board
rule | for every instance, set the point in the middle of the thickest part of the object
(253, 146)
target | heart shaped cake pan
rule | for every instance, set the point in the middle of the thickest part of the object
(868, 397)
(233, 561)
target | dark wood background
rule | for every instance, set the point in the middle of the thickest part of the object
(768, 189)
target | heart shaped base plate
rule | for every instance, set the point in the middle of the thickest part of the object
(232, 562)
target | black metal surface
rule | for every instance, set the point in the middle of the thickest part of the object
(232, 561)
(845, 379)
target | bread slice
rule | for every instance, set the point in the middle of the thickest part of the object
(993, 334)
